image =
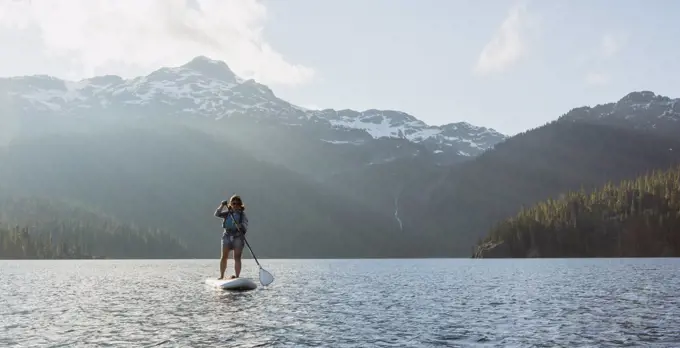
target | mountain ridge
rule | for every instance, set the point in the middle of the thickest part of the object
(643, 110)
(207, 88)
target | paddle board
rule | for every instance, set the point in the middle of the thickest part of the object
(241, 284)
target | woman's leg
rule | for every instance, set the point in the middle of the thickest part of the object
(239, 243)
(223, 260)
(237, 261)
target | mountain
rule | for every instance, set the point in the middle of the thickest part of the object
(541, 164)
(215, 133)
(636, 218)
(205, 88)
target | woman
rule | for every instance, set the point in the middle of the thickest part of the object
(235, 224)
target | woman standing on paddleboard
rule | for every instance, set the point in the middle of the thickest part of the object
(235, 224)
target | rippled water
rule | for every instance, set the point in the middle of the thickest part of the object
(343, 303)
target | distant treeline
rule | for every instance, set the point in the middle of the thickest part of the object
(42, 229)
(17, 243)
(637, 218)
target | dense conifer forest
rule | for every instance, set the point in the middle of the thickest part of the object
(75, 240)
(635, 218)
(32, 228)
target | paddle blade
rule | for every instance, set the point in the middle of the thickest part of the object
(266, 278)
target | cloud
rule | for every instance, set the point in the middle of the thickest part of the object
(608, 49)
(129, 37)
(509, 43)
(611, 44)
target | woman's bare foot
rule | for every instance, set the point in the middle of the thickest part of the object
(232, 277)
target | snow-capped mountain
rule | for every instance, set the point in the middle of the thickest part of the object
(208, 88)
(462, 137)
(639, 110)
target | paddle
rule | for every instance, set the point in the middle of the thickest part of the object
(266, 278)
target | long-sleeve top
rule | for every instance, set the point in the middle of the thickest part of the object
(229, 217)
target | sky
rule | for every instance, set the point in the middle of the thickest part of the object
(511, 65)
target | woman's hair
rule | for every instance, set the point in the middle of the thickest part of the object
(237, 198)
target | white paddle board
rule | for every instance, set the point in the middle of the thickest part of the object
(241, 284)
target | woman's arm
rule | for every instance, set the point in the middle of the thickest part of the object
(219, 213)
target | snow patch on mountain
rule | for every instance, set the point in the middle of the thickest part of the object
(396, 124)
(342, 142)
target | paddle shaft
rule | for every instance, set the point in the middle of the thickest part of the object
(251, 252)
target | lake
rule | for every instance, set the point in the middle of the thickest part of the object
(343, 303)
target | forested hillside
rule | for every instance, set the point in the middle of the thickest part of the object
(636, 218)
(40, 228)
